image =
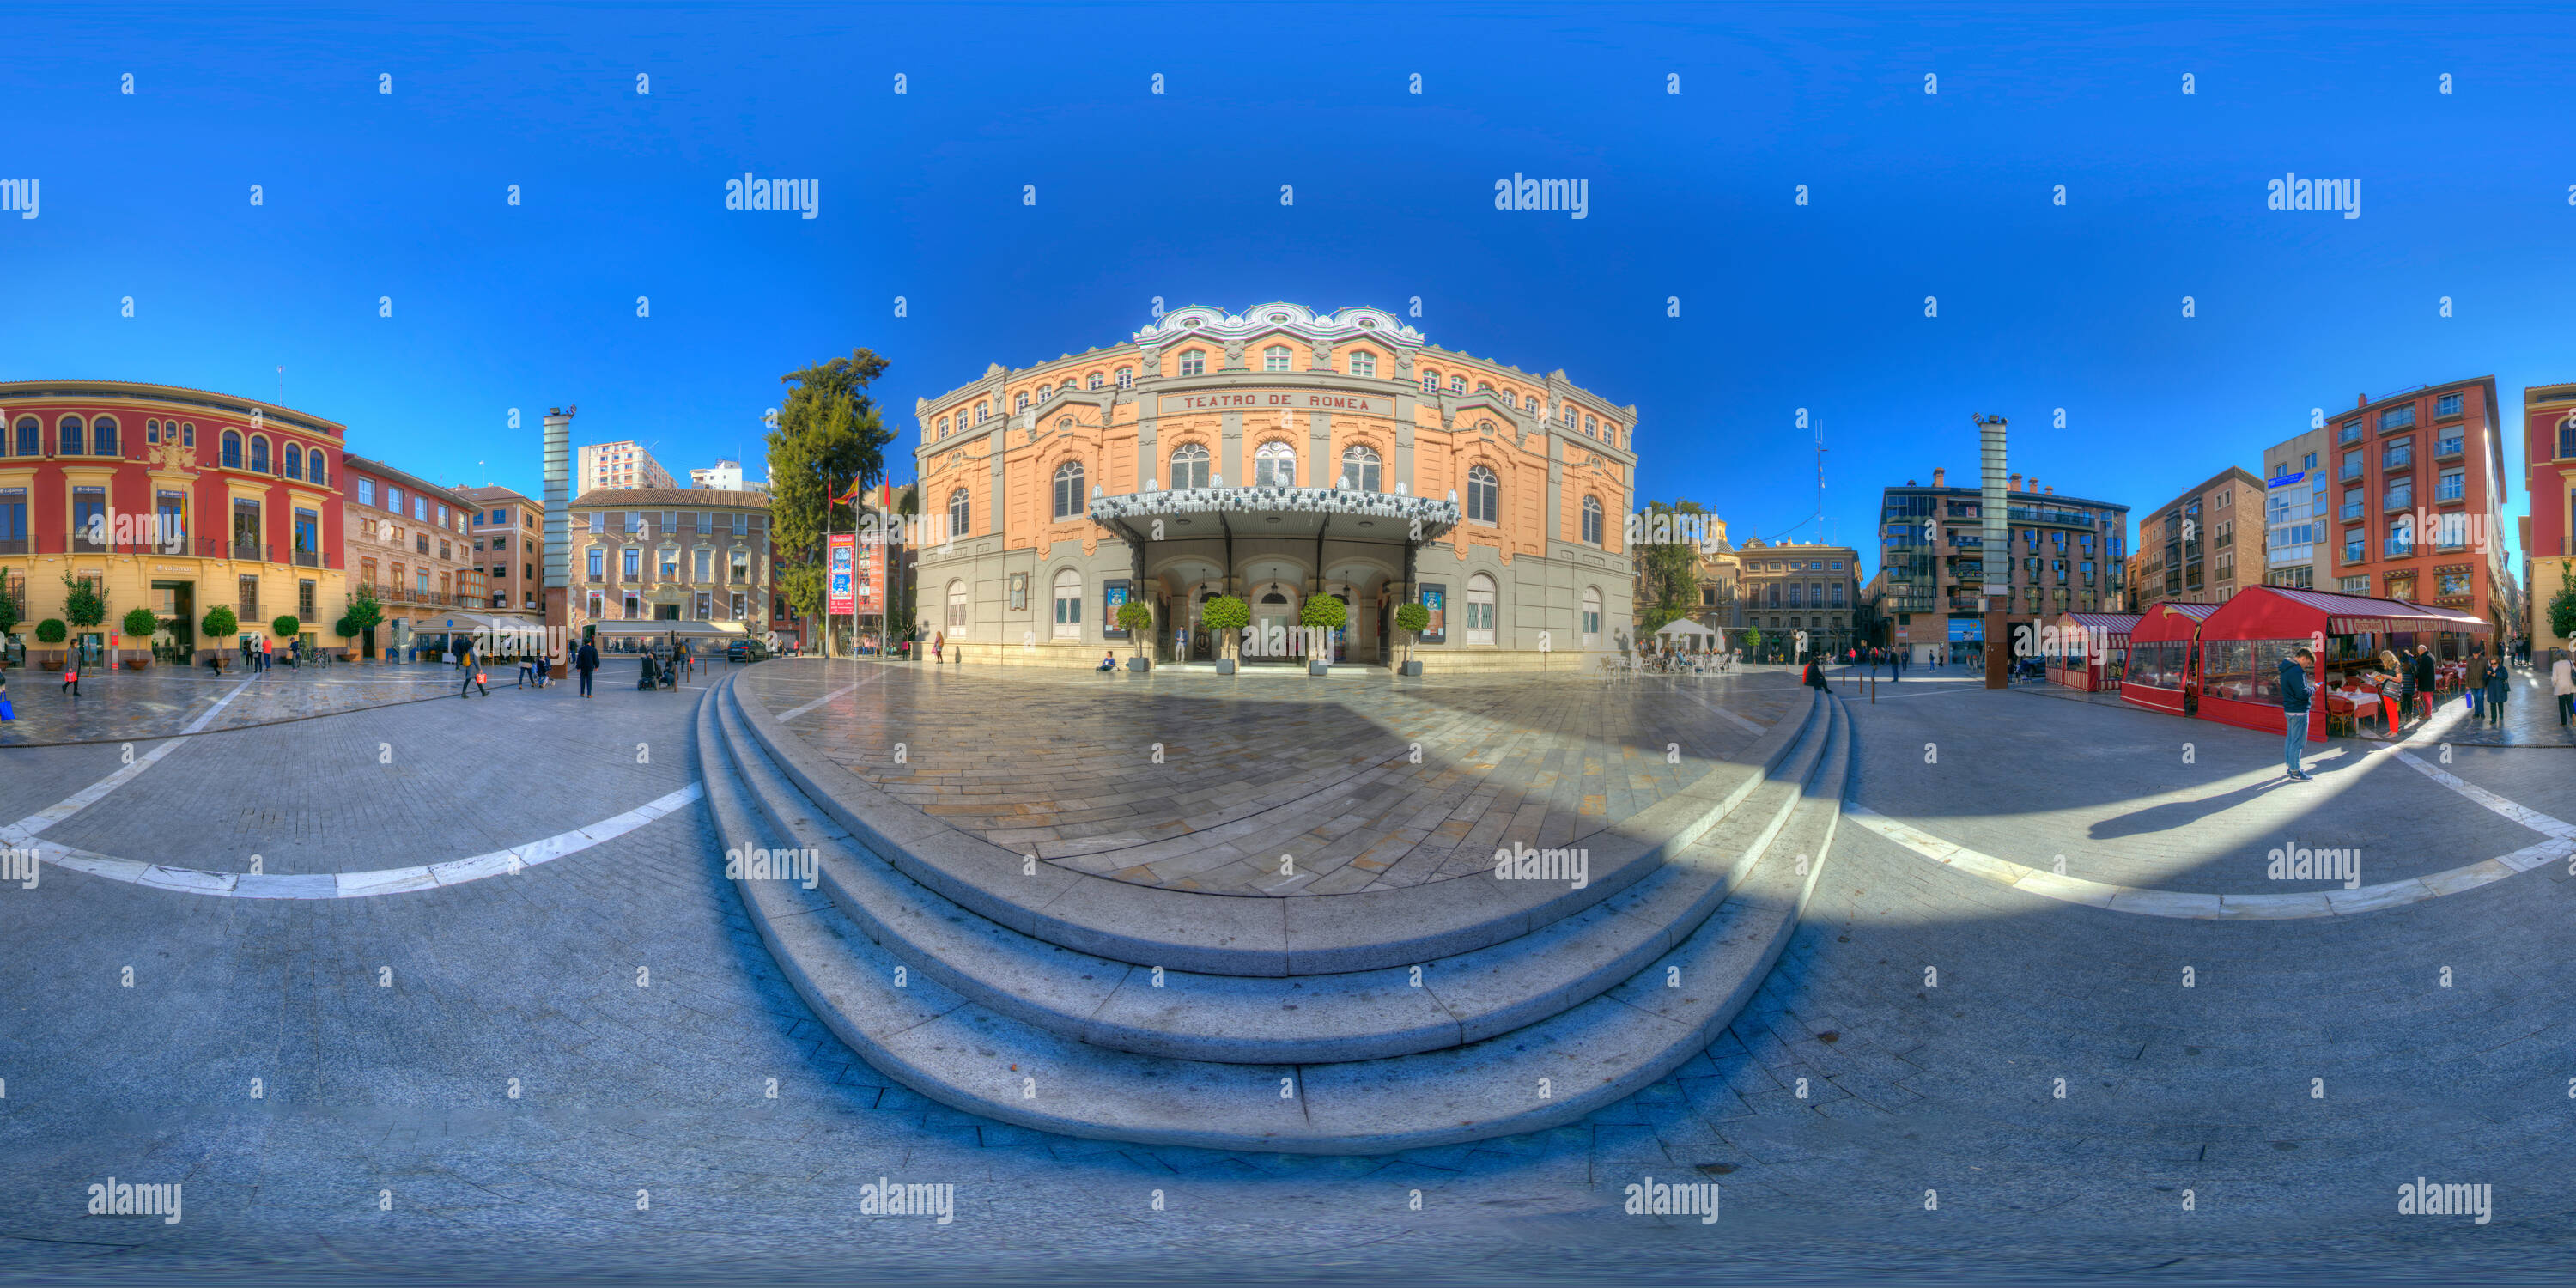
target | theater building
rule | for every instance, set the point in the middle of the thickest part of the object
(1275, 455)
(176, 500)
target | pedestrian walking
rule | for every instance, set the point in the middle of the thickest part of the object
(2295, 697)
(473, 668)
(2478, 668)
(2496, 690)
(2405, 670)
(937, 642)
(7, 712)
(71, 673)
(586, 662)
(527, 668)
(2562, 682)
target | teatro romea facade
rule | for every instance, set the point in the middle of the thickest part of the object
(1276, 454)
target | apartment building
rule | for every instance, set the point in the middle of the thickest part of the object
(2066, 555)
(619, 465)
(2419, 487)
(410, 541)
(2296, 510)
(510, 546)
(2205, 545)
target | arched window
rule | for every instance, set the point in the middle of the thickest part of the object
(1189, 465)
(1360, 467)
(1457, 384)
(1020, 401)
(1480, 609)
(1431, 382)
(943, 427)
(1568, 415)
(1274, 465)
(960, 511)
(1194, 363)
(1592, 520)
(151, 432)
(1591, 617)
(1126, 377)
(1068, 605)
(72, 442)
(294, 461)
(315, 468)
(187, 433)
(1484, 495)
(232, 450)
(956, 607)
(1095, 380)
(102, 436)
(982, 413)
(258, 454)
(1592, 427)
(1529, 403)
(1068, 490)
(1363, 363)
(1275, 358)
(30, 437)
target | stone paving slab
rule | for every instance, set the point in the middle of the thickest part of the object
(1065, 766)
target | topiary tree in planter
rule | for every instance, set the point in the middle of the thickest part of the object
(84, 604)
(140, 623)
(1136, 619)
(1413, 620)
(1226, 615)
(219, 625)
(50, 633)
(365, 614)
(286, 626)
(1325, 612)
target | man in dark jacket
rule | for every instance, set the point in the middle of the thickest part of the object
(2427, 679)
(2295, 696)
(586, 662)
(2477, 681)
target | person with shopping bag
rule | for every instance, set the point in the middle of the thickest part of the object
(473, 668)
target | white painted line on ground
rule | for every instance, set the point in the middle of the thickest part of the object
(24, 831)
(360, 885)
(843, 691)
(1739, 721)
(2283, 906)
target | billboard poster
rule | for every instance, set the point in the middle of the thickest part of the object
(868, 583)
(1112, 594)
(1435, 597)
(837, 574)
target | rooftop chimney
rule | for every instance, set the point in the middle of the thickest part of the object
(2016, 484)
(2052, 489)
(1937, 475)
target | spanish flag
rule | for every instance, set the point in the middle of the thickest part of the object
(851, 496)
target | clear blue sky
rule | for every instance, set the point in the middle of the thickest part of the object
(1176, 195)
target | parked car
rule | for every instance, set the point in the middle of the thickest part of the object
(746, 651)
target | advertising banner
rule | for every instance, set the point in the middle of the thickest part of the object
(1435, 597)
(837, 574)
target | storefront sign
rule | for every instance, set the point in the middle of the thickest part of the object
(1279, 400)
(1964, 629)
(1436, 598)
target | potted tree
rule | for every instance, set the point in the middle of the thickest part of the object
(1324, 612)
(220, 625)
(84, 605)
(1413, 620)
(1227, 616)
(140, 623)
(1136, 619)
(50, 633)
(364, 615)
(288, 628)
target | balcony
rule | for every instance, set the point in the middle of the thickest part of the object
(250, 550)
(2448, 447)
(79, 544)
(307, 558)
(2351, 512)
(16, 546)
(2398, 460)
(2450, 489)
(2399, 501)
(2349, 472)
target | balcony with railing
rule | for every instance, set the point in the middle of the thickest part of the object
(2397, 458)
(2399, 499)
(2567, 442)
(2396, 547)
(2445, 448)
(2351, 512)
(2451, 488)
(2351, 470)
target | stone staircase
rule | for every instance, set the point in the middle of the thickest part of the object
(1328, 1024)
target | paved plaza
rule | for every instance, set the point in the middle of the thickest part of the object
(569, 1064)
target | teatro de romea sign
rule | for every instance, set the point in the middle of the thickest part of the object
(1279, 400)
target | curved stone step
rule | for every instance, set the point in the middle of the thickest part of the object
(1244, 935)
(1267, 1019)
(940, 1044)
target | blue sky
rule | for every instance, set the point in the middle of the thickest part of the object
(403, 195)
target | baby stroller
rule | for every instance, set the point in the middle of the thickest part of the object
(650, 677)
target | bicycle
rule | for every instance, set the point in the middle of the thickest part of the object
(321, 660)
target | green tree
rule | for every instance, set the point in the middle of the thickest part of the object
(1225, 615)
(140, 623)
(1136, 619)
(11, 611)
(220, 624)
(1412, 619)
(364, 612)
(2562, 606)
(50, 631)
(1670, 571)
(84, 606)
(829, 440)
(285, 627)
